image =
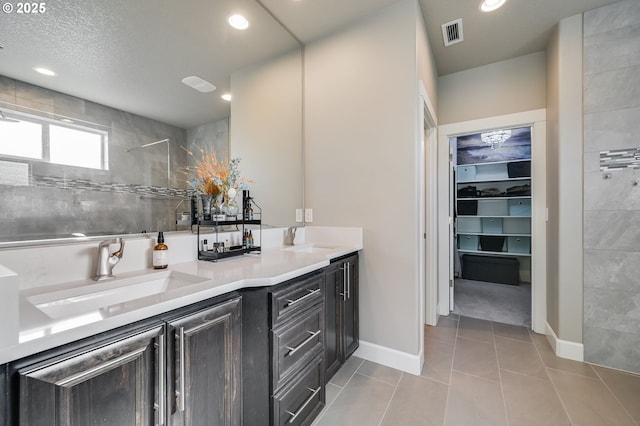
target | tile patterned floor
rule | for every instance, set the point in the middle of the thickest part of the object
(479, 372)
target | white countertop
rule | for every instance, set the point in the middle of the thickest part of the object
(39, 332)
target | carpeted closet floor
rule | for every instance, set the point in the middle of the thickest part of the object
(503, 303)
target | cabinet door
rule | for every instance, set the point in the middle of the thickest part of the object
(349, 314)
(118, 383)
(207, 365)
(333, 299)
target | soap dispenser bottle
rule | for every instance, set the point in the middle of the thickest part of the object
(160, 253)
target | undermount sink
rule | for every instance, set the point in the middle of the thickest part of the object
(312, 248)
(79, 300)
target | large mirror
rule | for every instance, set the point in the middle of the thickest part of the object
(119, 68)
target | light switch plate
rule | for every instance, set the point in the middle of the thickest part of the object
(299, 215)
(308, 215)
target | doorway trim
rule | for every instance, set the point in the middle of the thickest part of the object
(428, 196)
(537, 120)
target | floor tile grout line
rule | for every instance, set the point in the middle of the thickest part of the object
(376, 379)
(317, 420)
(553, 386)
(504, 400)
(614, 396)
(391, 399)
(451, 369)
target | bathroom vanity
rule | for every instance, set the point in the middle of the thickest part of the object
(231, 343)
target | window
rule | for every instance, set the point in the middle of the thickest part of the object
(51, 141)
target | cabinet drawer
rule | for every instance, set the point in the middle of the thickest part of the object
(301, 400)
(295, 342)
(295, 297)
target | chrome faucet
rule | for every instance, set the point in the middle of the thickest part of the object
(290, 235)
(106, 262)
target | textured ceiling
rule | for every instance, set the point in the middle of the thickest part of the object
(132, 55)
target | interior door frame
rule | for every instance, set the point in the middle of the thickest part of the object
(427, 197)
(537, 120)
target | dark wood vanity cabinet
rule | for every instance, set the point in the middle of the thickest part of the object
(205, 382)
(341, 312)
(182, 368)
(283, 361)
(116, 383)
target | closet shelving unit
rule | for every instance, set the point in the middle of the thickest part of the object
(499, 210)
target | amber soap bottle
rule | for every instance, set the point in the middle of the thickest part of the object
(160, 253)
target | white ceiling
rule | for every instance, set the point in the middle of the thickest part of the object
(518, 28)
(132, 55)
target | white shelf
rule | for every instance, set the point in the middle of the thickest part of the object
(515, 197)
(493, 234)
(494, 180)
(494, 253)
(510, 217)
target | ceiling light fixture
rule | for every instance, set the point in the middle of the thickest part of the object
(226, 96)
(491, 5)
(238, 22)
(496, 138)
(199, 84)
(44, 71)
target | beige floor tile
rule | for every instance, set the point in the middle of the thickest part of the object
(438, 358)
(446, 330)
(332, 392)
(363, 401)
(511, 331)
(588, 401)
(531, 401)
(625, 387)
(474, 402)
(380, 372)
(477, 329)
(550, 360)
(349, 368)
(476, 358)
(520, 357)
(417, 401)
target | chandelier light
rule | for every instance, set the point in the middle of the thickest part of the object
(496, 138)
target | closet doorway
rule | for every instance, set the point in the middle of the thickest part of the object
(492, 225)
(501, 273)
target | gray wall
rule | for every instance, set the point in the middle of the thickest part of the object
(129, 197)
(359, 161)
(564, 180)
(504, 87)
(612, 206)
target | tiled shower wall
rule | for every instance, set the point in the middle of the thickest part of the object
(612, 204)
(130, 197)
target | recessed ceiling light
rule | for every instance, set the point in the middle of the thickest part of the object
(226, 96)
(238, 22)
(491, 5)
(199, 84)
(44, 71)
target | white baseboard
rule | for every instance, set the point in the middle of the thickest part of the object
(564, 348)
(391, 357)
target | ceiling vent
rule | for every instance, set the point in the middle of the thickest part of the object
(452, 32)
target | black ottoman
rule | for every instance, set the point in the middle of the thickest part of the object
(495, 269)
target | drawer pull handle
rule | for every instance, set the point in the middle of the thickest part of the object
(303, 406)
(306, 296)
(307, 340)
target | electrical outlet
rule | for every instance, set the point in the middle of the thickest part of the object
(299, 215)
(308, 215)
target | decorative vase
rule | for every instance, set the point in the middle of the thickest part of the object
(207, 201)
(232, 209)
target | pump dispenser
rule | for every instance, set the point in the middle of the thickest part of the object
(160, 253)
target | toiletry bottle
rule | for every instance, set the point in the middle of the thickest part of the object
(160, 253)
(250, 239)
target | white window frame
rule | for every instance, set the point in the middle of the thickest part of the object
(45, 138)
